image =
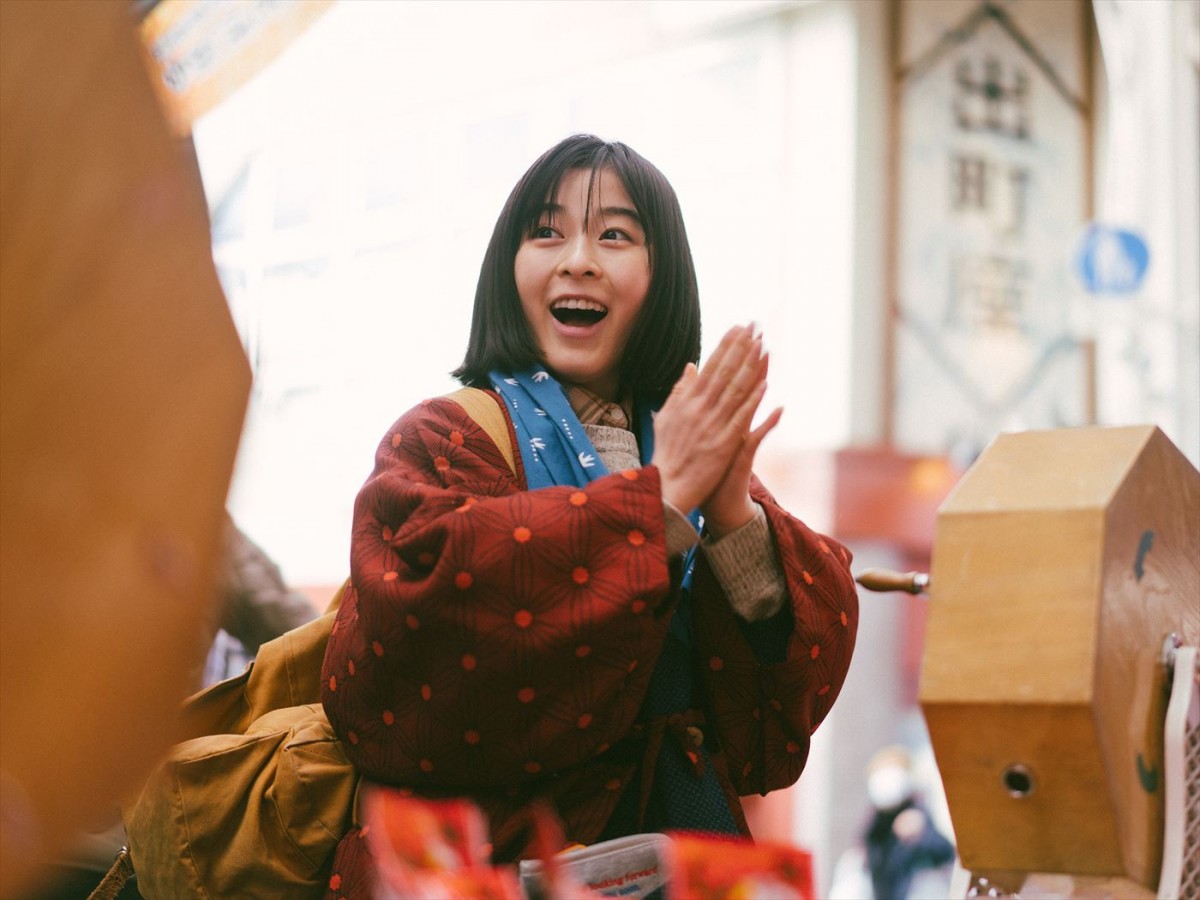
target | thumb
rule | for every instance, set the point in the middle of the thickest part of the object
(689, 375)
(756, 436)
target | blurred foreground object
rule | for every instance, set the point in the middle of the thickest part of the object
(1064, 562)
(123, 387)
(438, 850)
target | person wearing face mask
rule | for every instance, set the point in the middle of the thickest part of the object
(619, 621)
(901, 839)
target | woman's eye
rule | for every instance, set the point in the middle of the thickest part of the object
(543, 231)
(614, 234)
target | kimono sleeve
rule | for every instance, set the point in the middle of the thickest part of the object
(766, 713)
(491, 635)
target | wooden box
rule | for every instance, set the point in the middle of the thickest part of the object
(1061, 562)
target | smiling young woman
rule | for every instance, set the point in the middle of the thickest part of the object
(667, 334)
(622, 623)
(582, 276)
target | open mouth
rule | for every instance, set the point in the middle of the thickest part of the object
(577, 311)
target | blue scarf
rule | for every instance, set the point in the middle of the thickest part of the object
(555, 448)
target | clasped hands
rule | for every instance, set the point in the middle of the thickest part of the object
(704, 446)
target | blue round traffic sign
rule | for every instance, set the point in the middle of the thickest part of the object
(1111, 260)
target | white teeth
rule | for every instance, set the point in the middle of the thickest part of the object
(578, 303)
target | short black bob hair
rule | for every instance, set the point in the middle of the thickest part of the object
(666, 335)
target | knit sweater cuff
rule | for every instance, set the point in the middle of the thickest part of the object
(680, 534)
(747, 566)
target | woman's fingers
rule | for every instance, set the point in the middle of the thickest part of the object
(713, 394)
(768, 425)
(714, 363)
(748, 370)
(749, 376)
(703, 429)
(734, 375)
(743, 413)
(680, 386)
(725, 508)
(730, 388)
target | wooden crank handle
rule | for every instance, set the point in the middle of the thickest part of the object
(886, 580)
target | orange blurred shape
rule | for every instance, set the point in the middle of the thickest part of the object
(123, 385)
(705, 867)
(435, 849)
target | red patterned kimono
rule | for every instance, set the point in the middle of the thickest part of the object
(497, 642)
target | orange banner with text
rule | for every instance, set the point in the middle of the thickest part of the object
(201, 51)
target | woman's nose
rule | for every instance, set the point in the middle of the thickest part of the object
(579, 258)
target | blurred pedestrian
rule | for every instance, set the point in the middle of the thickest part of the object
(901, 839)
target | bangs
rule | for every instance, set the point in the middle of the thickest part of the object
(532, 211)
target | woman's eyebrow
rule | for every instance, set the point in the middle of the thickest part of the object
(621, 211)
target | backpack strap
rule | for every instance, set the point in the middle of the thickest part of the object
(485, 410)
(117, 877)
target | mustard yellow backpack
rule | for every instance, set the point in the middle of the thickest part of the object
(254, 803)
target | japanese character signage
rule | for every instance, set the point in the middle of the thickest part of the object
(991, 195)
